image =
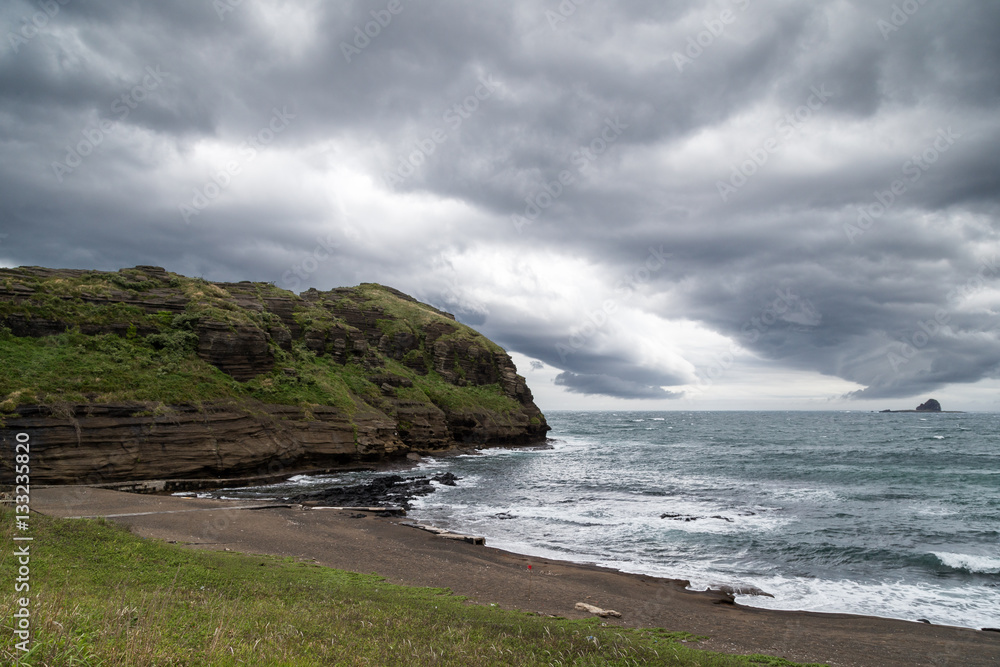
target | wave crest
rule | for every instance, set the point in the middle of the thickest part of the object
(969, 562)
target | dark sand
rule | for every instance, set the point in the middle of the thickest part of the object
(406, 555)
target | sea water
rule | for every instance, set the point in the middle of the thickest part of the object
(885, 514)
(894, 515)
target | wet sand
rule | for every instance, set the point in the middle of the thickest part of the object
(362, 542)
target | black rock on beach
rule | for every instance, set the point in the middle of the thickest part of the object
(387, 491)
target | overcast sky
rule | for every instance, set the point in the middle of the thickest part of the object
(688, 205)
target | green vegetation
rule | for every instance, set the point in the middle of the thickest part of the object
(144, 353)
(76, 300)
(312, 381)
(417, 316)
(51, 307)
(314, 317)
(450, 397)
(435, 389)
(76, 368)
(101, 597)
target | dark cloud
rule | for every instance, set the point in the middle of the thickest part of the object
(608, 385)
(820, 105)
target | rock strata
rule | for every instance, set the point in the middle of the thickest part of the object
(404, 377)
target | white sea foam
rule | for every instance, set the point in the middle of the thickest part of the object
(970, 562)
(804, 493)
(966, 606)
(969, 606)
(194, 494)
(302, 479)
(936, 510)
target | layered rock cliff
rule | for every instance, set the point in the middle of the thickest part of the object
(145, 374)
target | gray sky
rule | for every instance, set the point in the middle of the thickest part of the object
(708, 205)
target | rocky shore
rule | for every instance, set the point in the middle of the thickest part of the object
(392, 491)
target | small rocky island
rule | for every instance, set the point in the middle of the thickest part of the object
(930, 405)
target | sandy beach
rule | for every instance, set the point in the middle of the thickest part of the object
(363, 542)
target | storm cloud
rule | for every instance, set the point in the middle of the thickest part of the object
(645, 202)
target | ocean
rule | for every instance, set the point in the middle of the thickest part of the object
(892, 515)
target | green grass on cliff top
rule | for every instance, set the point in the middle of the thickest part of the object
(76, 368)
(414, 316)
(163, 367)
(75, 300)
(101, 597)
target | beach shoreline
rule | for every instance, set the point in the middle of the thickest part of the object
(361, 542)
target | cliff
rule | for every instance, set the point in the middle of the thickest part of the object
(144, 374)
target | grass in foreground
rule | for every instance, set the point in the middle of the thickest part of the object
(101, 596)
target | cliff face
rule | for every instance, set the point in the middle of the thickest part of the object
(145, 374)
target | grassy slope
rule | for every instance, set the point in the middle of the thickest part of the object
(163, 367)
(101, 596)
